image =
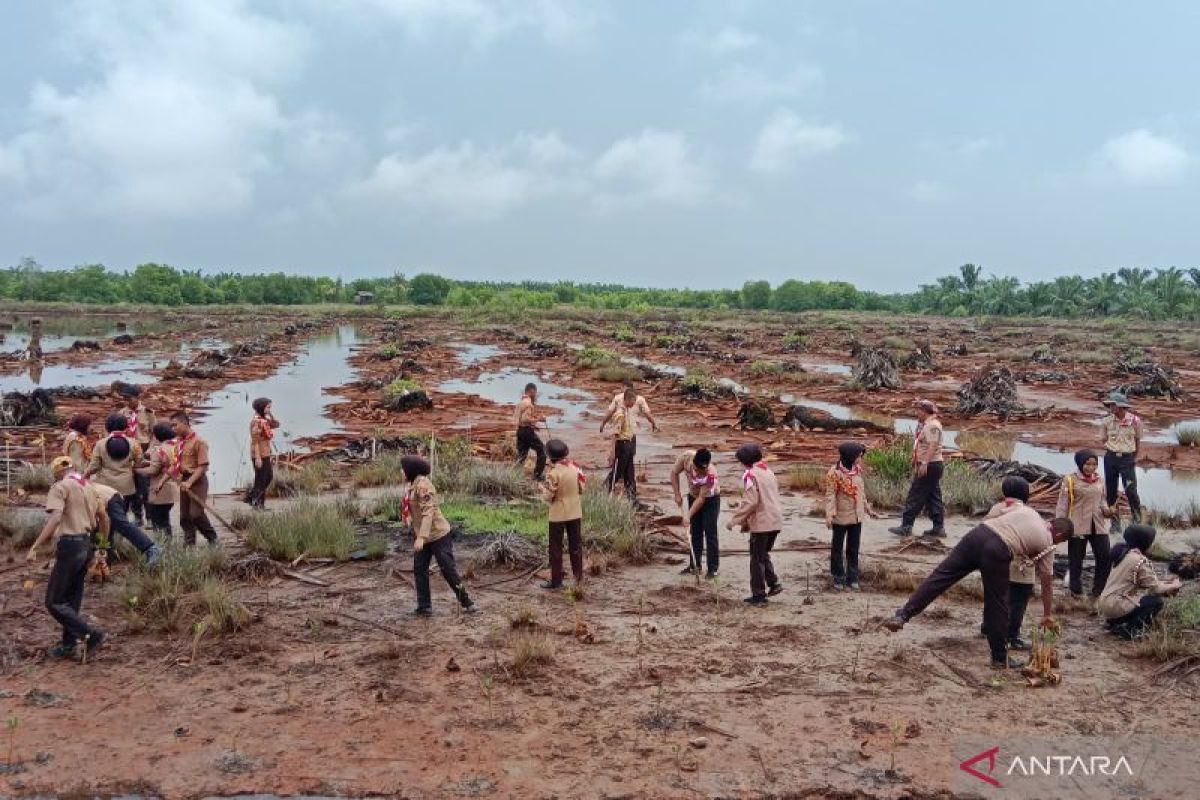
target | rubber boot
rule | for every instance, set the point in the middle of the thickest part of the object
(901, 530)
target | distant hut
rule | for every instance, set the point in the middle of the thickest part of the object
(364, 298)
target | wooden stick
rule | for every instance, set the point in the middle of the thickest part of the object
(213, 511)
(379, 625)
(300, 576)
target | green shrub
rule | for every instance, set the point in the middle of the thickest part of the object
(1175, 632)
(184, 589)
(618, 373)
(311, 477)
(387, 352)
(1188, 435)
(400, 387)
(966, 490)
(383, 470)
(761, 368)
(310, 526)
(891, 463)
(610, 525)
(506, 481)
(592, 357)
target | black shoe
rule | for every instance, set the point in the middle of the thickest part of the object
(756, 600)
(551, 585)
(1011, 662)
(421, 611)
(901, 530)
(894, 623)
(94, 641)
(1020, 643)
(469, 607)
(936, 532)
(710, 575)
(688, 570)
(62, 651)
(774, 590)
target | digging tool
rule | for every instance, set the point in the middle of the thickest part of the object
(211, 510)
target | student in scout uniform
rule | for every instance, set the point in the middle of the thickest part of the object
(77, 445)
(990, 547)
(1122, 440)
(625, 447)
(563, 490)
(1020, 572)
(262, 432)
(163, 472)
(926, 489)
(760, 514)
(114, 458)
(73, 516)
(193, 481)
(1081, 499)
(140, 424)
(703, 507)
(432, 536)
(846, 507)
(111, 506)
(1134, 594)
(527, 438)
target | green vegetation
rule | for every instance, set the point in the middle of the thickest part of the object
(35, 478)
(1175, 632)
(320, 529)
(311, 477)
(889, 473)
(807, 478)
(1188, 435)
(383, 470)
(399, 388)
(610, 525)
(1169, 293)
(592, 357)
(891, 463)
(526, 519)
(762, 368)
(996, 446)
(618, 373)
(184, 591)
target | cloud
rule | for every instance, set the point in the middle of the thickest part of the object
(483, 183)
(1140, 156)
(740, 83)
(178, 125)
(928, 191)
(722, 42)
(560, 22)
(653, 166)
(786, 138)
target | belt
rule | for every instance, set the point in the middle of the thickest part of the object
(74, 536)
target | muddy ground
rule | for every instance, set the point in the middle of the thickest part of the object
(675, 689)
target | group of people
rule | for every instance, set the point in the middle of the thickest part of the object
(133, 475)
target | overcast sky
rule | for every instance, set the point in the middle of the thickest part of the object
(666, 143)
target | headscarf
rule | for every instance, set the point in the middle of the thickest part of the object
(849, 453)
(1081, 458)
(1137, 537)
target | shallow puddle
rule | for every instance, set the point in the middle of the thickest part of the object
(470, 353)
(506, 386)
(34, 375)
(298, 403)
(828, 369)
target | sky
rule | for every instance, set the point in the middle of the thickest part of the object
(675, 143)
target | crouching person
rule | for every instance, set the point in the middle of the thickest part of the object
(990, 548)
(114, 518)
(563, 489)
(432, 541)
(1134, 594)
(73, 510)
(760, 514)
(1020, 572)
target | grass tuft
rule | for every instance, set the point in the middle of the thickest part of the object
(35, 478)
(186, 588)
(530, 650)
(322, 530)
(994, 446)
(21, 527)
(592, 357)
(610, 525)
(618, 373)
(1175, 632)
(383, 470)
(309, 478)
(807, 478)
(1188, 435)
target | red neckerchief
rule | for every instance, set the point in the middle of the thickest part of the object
(578, 471)
(131, 427)
(748, 475)
(173, 451)
(75, 476)
(1095, 476)
(117, 435)
(1128, 421)
(264, 429)
(843, 479)
(406, 507)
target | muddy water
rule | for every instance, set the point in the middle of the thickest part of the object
(299, 405)
(505, 387)
(470, 353)
(130, 370)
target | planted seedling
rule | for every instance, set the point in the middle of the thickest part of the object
(13, 724)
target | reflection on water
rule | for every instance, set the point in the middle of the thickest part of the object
(506, 386)
(829, 369)
(471, 353)
(299, 404)
(33, 375)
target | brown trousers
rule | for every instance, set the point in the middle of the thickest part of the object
(192, 516)
(574, 533)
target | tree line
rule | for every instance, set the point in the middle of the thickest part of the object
(1170, 293)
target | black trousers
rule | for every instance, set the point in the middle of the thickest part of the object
(704, 532)
(123, 525)
(623, 469)
(263, 476)
(1122, 467)
(64, 591)
(1135, 622)
(140, 499)
(847, 537)
(192, 514)
(442, 551)
(926, 493)
(1018, 601)
(159, 515)
(1076, 549)
(527, 439)
(572, 529)
(762, 571)
(981, 549)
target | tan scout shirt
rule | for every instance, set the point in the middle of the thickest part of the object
(163, 489)
(74, 498)
(1020, 570)
(1083, 503)
(1129, 580)
(759, 509)
(623, 422)
(562, 490)
(110, 471)
(927, 448)
(193, 454)
(425, 516)
(76, 448)
(526, 412)
(639, 409)
(145, 423)
(1025, 533)
(261, 438)
(841, 508)
(1122, 436)
(701, 483)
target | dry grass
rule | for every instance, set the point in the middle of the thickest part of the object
(1175, 632)
(20, 528)
(986, 444)
(524, 616)
(309, 478)
(184, 590)
(807, 478)
(1188, 435)
(531, 650)
(322, 530)
(35, 478)
(383, 470)
(610, 525)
